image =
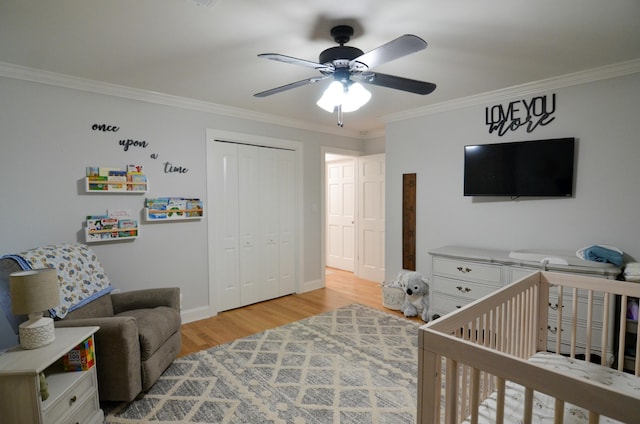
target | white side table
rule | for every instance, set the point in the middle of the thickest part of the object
(73, 395)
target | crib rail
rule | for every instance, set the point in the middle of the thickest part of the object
(472, 352)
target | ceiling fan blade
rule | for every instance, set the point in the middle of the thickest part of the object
(290, 86)
(296, 61)
(398, 83)
(394, 49)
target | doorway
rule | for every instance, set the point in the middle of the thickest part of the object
(353, 226)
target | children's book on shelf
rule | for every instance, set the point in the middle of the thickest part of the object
(194, 207)
(127, 228)
(115, 179)
(116, 224)
(157, 207)
(138, 181)
(173, 208)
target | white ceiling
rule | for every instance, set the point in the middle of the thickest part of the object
(208, 53)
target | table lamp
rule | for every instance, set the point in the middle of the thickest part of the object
(33, 292)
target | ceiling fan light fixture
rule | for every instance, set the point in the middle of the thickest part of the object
(351, 98)
(332, 97)
(356, 97)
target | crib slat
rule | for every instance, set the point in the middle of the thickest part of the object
(605, 331)
(574, 321)
(500, 400)
(451, 392)
(475, 394)
(587, 353)
(528, 406)
(558, 412)
(623, 332)
(560, 303)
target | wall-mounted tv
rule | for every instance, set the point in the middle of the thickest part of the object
(541, 168)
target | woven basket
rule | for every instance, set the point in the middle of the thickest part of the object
(392, 297)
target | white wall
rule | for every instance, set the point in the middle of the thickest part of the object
(46, 142)
(602, 115)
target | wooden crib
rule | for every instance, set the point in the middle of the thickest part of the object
(476, 362)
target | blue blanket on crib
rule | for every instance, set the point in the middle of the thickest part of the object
(602, 254)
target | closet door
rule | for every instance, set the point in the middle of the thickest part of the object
(226, 258)
(268, 212)
(249, 209)
(255, 222)
(287, 223)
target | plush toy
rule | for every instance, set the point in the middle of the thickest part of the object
(416, 299)
(44, 387)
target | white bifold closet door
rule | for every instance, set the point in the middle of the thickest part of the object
(255, 223)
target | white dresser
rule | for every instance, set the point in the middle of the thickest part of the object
(460, 275)
(73, 396)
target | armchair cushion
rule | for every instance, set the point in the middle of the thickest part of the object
(155, 326)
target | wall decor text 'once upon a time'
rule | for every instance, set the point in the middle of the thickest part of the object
(532, 113)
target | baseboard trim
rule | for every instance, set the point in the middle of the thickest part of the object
(195, 314)
(308, 286)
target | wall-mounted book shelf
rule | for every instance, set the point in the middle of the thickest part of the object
(116, 180)
(117, 225)
(115, 187)
(166, 209)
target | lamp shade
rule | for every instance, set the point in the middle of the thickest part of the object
(32, 292)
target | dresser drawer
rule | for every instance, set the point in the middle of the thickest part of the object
(471, 271)
(465, 290)
(70, 401)
(581, 336)
(442, 304)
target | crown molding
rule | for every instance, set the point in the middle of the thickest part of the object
(568, 80)
(10, 70)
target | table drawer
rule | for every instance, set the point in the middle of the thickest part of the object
(86, 413)
(471, 271)
(70, 401)
(467, 290)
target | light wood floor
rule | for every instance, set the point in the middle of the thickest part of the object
(342, 289)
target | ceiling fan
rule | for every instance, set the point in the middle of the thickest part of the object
(350, 66)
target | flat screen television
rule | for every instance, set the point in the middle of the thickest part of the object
(540, 168)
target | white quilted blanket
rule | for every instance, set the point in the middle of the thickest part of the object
(81, 276)
(543, 405)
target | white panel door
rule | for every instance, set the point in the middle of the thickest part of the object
(249, 224)
(371, 216)
(253, 193)
(340, 199)
(287, 220)
(267, 212)
(224, 180)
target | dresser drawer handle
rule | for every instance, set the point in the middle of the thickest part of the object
(73, 400)
(553, 330)
(464, 270)
(463, 289)
(554, 306)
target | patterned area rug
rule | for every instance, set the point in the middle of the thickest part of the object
(352, 365)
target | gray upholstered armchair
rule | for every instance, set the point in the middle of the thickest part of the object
(139, 335)
(139, 338)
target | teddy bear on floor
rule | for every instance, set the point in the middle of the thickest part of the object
(416, 299)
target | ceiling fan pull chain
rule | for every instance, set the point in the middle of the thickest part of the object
(340, 121)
